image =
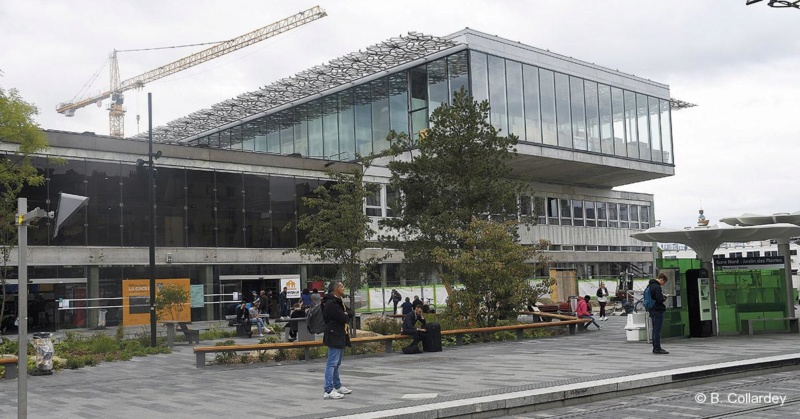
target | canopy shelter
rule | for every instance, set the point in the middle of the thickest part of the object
(705, 240)
(783, 242)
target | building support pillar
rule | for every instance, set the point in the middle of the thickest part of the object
(93, 293)
(206, 273)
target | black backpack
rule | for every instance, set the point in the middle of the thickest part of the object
(315, 319)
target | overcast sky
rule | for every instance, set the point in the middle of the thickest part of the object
(736, 152)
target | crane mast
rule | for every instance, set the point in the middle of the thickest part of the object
(116, 109)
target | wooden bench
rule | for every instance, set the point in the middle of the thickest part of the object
(192, 335)
(747, 324)
(201, 351)
(10, 362)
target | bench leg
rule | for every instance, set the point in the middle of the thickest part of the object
(200, 359)
(306, 354)
(459, 340)
(11, 371)
(572, 329)
(750, 328)
(793, 326)
(520, 334)
(388, 348)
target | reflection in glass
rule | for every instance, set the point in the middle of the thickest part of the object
(315, 129)
(562, 111)
(623, 215)
(257, 219)
(606, 120)
(612, 215)
(201, 220)
(135, 209)
(363, 119)
(592, 117)
(304, 188)
(103, 209)
(398, 101)
(260, 132)
(516, 109)
(301, 130)
(590, 214)
(498, 114)
(601, 214)
(618, 107)
(229, 208)
(380, 114)
(533, 121)
(458, 71)
(480, 76)
(644, 130)
(286, 119)
(549, 127)
(655, 129)
(236, 138)
(666, 131)
(419, 87)
(225, 139)
(170, 207)
(438, 91)
(552, 211)
(282, 205)
(330, 126)
(577, 104)
(249, 136)
(566, 212)
(577, 212)
(273, 134)
(347, 126)
(630, 124)
(644, 216)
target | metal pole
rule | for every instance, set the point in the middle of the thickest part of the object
(22, 310)
(151, 200)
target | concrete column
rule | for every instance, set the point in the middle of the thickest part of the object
(712, 280)
(206, 273)
(783, 250)
(93, 291)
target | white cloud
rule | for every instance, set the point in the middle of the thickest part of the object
(736, 152)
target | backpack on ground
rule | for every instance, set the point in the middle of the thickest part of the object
(315, 319)
(648, 301)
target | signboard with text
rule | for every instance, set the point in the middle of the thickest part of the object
(747, 264)
(292, 286)
(136, 300)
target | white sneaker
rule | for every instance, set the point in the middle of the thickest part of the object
(333, 395)
(260, 335)
(343, 390)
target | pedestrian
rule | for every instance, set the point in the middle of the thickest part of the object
(256, 318)
(407, 307)
(657, 312)
(410, 323)
(305, 296)
(602, 293)
(583, 312)
(283, 301)
(263, 304)
(243, 318)
(395, 298)
(337, 317)
(297, 312)
(315, 298)
(416, 302)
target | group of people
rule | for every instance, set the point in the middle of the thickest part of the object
(255, 312)
(307, 300)
(408, 306)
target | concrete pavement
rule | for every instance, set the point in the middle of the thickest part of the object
(479, 380)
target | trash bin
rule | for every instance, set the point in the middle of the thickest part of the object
(573, 303)
(101, 318)
(357, 321)
(44, 353)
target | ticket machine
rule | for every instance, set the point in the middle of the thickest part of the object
(698, 296)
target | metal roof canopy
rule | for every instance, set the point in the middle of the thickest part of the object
(340, 71)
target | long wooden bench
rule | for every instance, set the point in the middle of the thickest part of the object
(747, 324)
(10, 362)
(201, 351)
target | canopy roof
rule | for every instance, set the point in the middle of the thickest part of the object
(757, 219)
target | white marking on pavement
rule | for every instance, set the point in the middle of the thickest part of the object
(420, 396)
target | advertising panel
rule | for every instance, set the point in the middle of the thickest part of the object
(136, 300)
(292, 286)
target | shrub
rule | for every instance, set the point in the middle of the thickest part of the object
(75, 362)
(217, 333)
(100, 343)
(382, 325)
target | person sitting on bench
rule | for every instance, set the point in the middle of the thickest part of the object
(409, 325)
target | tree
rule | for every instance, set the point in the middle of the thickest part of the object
(336, 229)
(492, 268)
(16, 171)
(170, 301)
(457, 170)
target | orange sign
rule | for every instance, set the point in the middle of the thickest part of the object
(136, 300)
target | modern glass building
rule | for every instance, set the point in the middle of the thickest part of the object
(229, 186)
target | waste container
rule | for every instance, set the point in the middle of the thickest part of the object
(44, 353)
(357, 321)
(573, 303)
(101, 318)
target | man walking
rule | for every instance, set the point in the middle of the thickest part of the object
(657, 312)
(283, 302)
(336, 338)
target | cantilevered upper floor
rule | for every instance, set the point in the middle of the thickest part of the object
(577, 123)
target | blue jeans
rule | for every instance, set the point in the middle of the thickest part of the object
(260, 323)
(657, 317)
(332, 369)
(583, 316)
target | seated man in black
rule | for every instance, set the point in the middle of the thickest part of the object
(409, 325)
(243, 318)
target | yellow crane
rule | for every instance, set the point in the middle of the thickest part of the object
(116, 110)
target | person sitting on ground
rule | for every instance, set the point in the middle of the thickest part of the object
(416, 302)
(410, 323)
(407, 307)
(583, 312)
(297, 312)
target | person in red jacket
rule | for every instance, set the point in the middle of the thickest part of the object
(583, 312)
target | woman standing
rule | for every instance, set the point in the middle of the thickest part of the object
(602, 293)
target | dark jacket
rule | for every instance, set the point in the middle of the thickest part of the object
(410, 321)
(263, 303)
(336, 319)
(657, 294)
(407, 307)
(242, 316)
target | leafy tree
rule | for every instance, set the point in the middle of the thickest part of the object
(16, 171)
(458, 169)
(492, 268)
(170, 301)
(336, 229)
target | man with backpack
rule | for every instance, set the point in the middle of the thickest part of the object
(395, 298)
(654, 298)
(336, 338)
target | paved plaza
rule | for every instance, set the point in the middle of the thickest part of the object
(169, 386)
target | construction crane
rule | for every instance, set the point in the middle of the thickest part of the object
(116, 110)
